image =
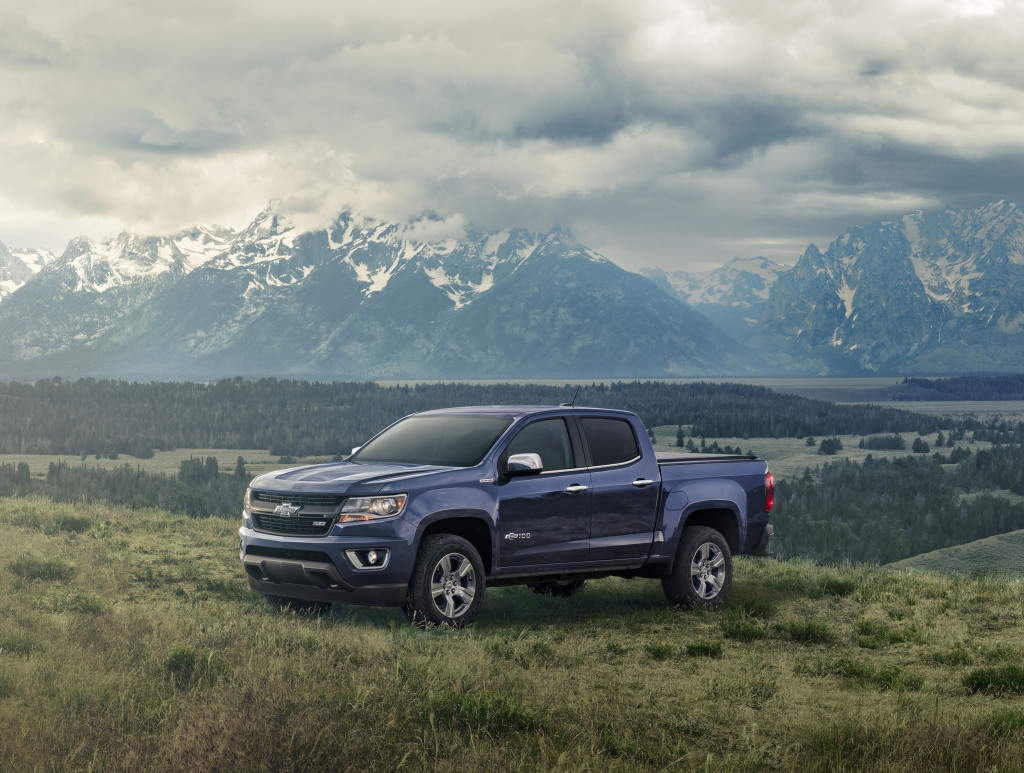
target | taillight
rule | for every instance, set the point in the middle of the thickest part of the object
(769, 492)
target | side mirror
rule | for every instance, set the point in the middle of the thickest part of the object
(355, 449)
(524, 464)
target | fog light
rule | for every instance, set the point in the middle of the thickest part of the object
(374, 558)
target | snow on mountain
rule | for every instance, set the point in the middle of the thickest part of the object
(742, 283)
(732, 296)
(18, 266)
(200, 244)
(942, 291)
(270, 251)
(929, 292)
(360, 298)
(91, 266)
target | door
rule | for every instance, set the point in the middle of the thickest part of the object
(625, 486)
(544, 519)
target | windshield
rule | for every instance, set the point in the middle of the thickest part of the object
(451, 441)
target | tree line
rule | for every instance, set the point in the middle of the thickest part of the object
(884, 510)
(199, 489)
(91, 417)
(963, 388)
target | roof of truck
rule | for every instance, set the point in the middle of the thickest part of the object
(514, 410)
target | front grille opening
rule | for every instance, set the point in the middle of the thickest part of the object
(310, 500)
(301, 526)
(295, 555)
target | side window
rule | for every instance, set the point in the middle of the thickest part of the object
(611, 441)
(550, 439)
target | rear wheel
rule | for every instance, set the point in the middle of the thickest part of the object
(298, 606)
(562, 588)
(703, 569)
(447, 586)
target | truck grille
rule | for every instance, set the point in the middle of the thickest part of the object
(317, 513)
(310, 500)
(293, 525)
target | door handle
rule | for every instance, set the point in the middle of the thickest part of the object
(576, 488)
(641, 482)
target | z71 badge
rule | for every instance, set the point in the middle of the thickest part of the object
(518, 535)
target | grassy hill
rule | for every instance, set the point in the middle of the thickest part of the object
(1000, 554)
(129, 640)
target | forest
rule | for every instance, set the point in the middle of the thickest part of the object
(963, 388)
(883, 510)
(301, 418)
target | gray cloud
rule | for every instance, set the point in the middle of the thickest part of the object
(674, 133)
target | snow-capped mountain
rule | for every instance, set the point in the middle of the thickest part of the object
(924, 293)
(938, 292)
(17, 266)
(360, 298)
(732, 296)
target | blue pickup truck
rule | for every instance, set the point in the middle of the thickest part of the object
(442, 504)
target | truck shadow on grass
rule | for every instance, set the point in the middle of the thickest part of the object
(607, 602)
(613, 602)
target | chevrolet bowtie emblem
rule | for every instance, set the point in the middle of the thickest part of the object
(287, 509)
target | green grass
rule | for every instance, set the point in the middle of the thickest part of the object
(807, 631)
(998, 680)
(1002, 554)
(704, 649)
(151, 654)
(41, 568)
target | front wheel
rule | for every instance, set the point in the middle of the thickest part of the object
(447, 585)
(703, 569)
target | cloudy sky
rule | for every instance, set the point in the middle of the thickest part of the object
(678, 134)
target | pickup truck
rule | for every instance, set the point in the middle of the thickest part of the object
(444, 503)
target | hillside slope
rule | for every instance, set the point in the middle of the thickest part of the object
(1000, 554)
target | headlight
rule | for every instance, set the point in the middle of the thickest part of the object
(247, 503)
(371, 508)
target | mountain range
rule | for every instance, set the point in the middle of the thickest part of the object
(358, 299)
(939, 292)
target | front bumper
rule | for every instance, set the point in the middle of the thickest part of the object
(317, 569)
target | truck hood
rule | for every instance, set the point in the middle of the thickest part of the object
(339, 477)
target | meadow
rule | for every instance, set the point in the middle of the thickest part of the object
(129, 640)
(1000, 554)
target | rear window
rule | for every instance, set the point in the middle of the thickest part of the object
(611, 441)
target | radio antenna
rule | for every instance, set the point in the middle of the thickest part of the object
(573, 403)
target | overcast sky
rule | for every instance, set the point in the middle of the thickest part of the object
(676, 134)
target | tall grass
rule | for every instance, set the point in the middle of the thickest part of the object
(151, 654)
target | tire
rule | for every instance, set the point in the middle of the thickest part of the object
(702, 572)
(560, 589)
(447, 585)
(298, 606)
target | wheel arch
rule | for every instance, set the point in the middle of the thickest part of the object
(469, 525)
(722, 519)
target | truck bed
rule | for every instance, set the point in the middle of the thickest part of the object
(665, 457)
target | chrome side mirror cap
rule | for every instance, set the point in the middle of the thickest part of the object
(524, 464)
